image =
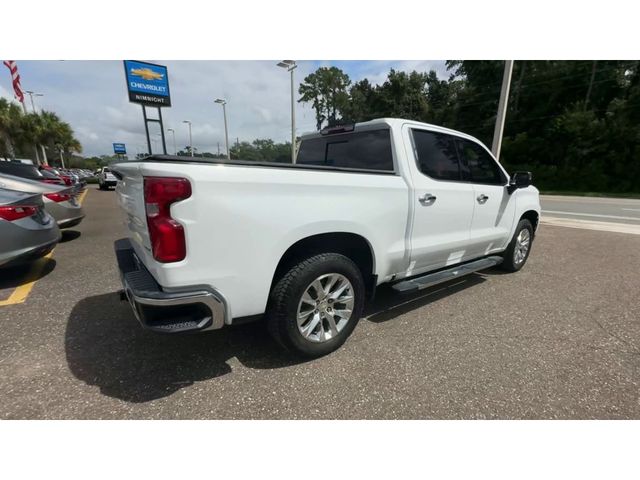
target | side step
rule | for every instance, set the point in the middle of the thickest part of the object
(441, 276)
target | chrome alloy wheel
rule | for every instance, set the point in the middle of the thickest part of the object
(325, 307)
(523, 242)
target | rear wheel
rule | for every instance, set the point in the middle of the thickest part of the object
(517, 253)
(316, 304)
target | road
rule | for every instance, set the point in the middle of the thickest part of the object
(606, 214)
(560, 339)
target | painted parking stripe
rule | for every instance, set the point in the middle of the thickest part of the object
(21, 292)
(617, 217)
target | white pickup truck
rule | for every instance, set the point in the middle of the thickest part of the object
(214, 243)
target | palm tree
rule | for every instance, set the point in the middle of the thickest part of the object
(10, 120)
(50, 129)
(65, 141)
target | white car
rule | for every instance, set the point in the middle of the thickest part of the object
(304, 245)
(106, 179)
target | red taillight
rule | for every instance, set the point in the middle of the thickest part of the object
(16, 212)
(67, 181)
(167, 235)
(58, 197)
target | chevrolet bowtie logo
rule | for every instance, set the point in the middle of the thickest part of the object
(146, 74)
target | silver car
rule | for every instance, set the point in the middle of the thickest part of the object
(59, 201)
(27, 231)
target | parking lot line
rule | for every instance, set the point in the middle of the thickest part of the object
(21, 293)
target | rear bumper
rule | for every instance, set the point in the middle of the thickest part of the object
(70, 222)
(30, 254)
(186, 310)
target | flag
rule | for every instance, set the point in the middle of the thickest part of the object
(15, 79)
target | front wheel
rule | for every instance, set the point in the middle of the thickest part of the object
(517, 253)
(316, 304)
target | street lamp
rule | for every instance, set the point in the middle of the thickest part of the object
(175, 150)
(31, 95)
(190, 139)
(226, 131)
(290, 65)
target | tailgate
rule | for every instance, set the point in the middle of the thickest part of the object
(130, 194)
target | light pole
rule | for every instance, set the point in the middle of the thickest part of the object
(290, 65)
(190, 139)
(226, 131)
(31, 95)
(173, 132)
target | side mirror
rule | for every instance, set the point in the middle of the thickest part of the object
(520, 180)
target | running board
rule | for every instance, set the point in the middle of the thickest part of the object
(441, 276)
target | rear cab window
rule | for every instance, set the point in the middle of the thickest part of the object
(366, 150)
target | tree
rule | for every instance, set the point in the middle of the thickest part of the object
(326, 90)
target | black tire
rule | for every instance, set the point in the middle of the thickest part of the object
(508, 261)
(285, 296)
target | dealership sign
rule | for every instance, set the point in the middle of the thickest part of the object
(119, 148)
(147, 83)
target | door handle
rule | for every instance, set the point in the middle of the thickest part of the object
(427, 199)
(482, 198)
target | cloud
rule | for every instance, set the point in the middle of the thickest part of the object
(92, 97)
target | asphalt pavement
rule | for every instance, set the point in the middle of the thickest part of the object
(560, 339)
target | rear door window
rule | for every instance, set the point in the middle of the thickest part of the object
(368, 150)
(436, 155)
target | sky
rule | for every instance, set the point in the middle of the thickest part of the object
(92, 97)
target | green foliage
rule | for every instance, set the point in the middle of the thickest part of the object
(30, 135)
(326, 89)
(262, 150)
(574, 124)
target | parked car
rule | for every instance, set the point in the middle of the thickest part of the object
(30, 171)
(27, 231)
(218, 242)
(106, 179)
(60, 201)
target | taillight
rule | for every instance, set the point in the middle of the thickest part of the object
(16, 212)
(58, 197)
(167, 235)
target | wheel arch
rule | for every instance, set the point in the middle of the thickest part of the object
(533, 217)
(352, 245)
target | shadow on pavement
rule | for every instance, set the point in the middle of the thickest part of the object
(389, 304)
(105, 346)
(68, 235)
(12, 277)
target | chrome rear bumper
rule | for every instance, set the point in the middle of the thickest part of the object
(187, 310)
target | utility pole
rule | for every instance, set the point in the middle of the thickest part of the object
(502, 109)
(593, 77)
(218, 149)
